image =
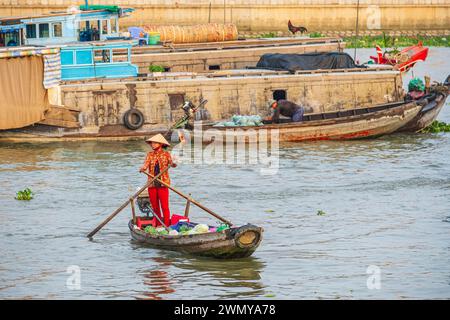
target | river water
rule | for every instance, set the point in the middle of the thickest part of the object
(385, 232)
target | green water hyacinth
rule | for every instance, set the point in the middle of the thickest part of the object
(436, 127)
(386, 41)
(26, 194)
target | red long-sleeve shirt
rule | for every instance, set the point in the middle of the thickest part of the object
(163, 158)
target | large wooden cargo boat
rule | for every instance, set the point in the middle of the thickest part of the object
(102, 105)
(204, 57)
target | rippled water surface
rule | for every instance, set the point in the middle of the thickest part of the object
(386, 203)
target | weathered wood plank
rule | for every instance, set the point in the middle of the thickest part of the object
(60, 116)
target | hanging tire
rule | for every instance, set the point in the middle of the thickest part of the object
(133, 119)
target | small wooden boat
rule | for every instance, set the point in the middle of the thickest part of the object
(403, 60)
(340, 125)
(432, 105)
(236, 242)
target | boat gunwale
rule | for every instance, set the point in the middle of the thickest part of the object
(208, 76)
(245, 48)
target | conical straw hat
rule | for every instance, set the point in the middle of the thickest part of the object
(158, 138)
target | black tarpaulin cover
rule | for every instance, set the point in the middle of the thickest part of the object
(307, 61)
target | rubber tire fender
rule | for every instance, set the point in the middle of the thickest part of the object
(130, 115)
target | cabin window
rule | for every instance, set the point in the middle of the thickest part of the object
(176, 101)
(166, 69)
(84, 32)
(96, 29)
(104, 26)
(44, 31)
(89, 30)
(279, 95)
(9, 39)
(84, 56)
(57, 29)
(214, 67)
(113, 24)
(102, 56)
(119, 55)
(31, 31)
(82, 26)
(67, 57)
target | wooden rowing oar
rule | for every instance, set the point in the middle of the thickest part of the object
(191, 200)
(160, 221)
(123, 206)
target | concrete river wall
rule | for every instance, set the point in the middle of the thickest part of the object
(268, 15)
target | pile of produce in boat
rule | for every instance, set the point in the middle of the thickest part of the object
(238, 120)
(184, 228)
(416, 84)
(160, 231)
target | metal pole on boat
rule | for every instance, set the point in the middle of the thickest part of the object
(209, 14)
(224, 10)
(357, 28)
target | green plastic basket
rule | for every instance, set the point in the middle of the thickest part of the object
(154, 37)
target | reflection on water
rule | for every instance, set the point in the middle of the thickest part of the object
(236, 278)
(157, 280)
(230, 279)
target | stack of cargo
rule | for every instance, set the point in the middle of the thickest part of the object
(211, 32)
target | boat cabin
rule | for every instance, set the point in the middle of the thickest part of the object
(111, 59)
(84, 23)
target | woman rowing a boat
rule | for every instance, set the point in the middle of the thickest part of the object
(157, 161)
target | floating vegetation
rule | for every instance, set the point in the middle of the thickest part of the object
(436, 127)
(321, 213)
(268, 35)
(316, 35)
(394, 42)
(26, 194)
(156, 68)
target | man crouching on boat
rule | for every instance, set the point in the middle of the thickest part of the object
(287, 109)
(157, 161)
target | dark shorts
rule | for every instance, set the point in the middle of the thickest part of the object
(298, 115)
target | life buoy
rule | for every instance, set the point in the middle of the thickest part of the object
(133, 119)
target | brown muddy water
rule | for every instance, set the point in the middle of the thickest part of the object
(386, 204)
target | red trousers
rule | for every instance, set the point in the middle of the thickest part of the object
(159, 199)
